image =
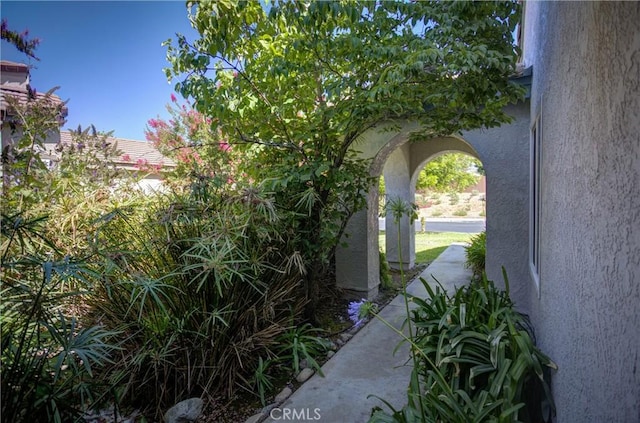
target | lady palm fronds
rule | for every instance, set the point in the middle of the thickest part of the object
(201, 290)
(48, 359)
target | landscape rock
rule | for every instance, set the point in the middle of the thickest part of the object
(109, 415)
(284, 394)
(304, 364)
(345, 337)
(333, 346)
(184, 412)
(304, 375)
(330, 354)
(267, 409)
(256, 417)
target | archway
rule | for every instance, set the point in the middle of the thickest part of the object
(401, 172)
(504, 152)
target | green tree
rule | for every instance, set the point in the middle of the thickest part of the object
(449, 172)
(296, 84)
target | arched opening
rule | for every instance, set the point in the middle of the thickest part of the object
(504, 153)
(450, 185)
(450, 200)
(401, 173)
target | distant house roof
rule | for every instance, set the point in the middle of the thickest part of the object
(15, 83)
(7, 66)
(134, 153)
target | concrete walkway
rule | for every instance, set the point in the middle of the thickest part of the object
(366, 364)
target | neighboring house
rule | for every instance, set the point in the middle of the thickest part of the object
(136, 155)
(14, 82)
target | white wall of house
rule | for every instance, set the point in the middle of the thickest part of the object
(586, 88)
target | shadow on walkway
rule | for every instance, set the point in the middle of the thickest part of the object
(366, 365)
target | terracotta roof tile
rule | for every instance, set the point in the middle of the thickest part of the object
(8, 66)
(135, 150)
(22, 96)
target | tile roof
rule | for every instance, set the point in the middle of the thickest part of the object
(137, 151)
(23, 96)
(19, 88)
(7, 66)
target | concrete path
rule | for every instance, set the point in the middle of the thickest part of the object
(366, 365)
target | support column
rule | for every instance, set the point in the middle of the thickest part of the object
(358, 264)
(397, 180)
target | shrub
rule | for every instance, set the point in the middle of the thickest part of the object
(460, 212)
(477, 361)
(476, 253)
(385, 272)
(48, 358)
(454, 198)
(202, 285)
(49, 355)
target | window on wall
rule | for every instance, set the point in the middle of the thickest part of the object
(534, 214)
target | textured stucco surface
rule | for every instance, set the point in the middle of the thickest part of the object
(586, 66)
(397, 179)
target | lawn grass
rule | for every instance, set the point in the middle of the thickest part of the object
(430, 245)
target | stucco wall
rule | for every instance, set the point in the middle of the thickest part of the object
(586, 67)
(504, 153)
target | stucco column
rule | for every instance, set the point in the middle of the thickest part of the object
(358, 264)
(397, 180)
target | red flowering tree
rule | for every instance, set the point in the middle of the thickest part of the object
(201, 153)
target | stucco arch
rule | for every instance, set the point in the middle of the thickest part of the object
(504, 152)
(401, 171)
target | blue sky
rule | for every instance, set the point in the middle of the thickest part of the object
(105, 56)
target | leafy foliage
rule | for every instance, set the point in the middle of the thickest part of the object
(385, 272)
(201, 286)
(449, 172)
(19, 40)
(477, 361)
(48, 358)
(200, 152)
(296, 85)
(476, 253)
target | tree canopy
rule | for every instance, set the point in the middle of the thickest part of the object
(449, 172)
(295, 84)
